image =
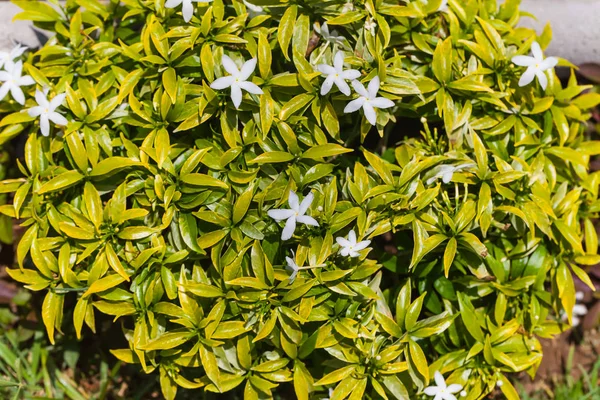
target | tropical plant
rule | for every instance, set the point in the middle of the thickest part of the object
(238, 182)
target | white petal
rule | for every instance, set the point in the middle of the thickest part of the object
(293, 201)
(306, 220)
(57, 101)
(439, 380)
(354, 105)
(542, 78)
(523, 61)
(291, 264)
(360, 89)
(382, 102)
(370, 113)
(247, 69)
(327, 85)
(292, 277)
(527, 77)
(374, 87)
(342, 85)
(338, 61)
(26, 81)
(57, 119)
(350, 74)
(236, 95)
(18, 70)
(353, 253)
(17, 51)
(41, 99)
(222, 83)
(17, 94)
(172, 3)
(448, 396)
(306, 203)
(35, 111)
(281, 214)
(44, 125)
(454, 388)
(344, 251)
(324, 29)
(352, 237)
(536, 50)
(5, 76)
(187, 9)
(431, 390)
(362, 245)
(343, 241)
(250, 87)
(447, 175)
(548, 63)
(229, 65)
(326, 69)
(4, 91)
(288, 230)
(580, 309)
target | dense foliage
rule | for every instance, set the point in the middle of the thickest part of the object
(260, 223)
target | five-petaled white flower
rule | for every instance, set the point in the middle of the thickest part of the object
(442, 391)
(368, 100)
(187, 8)
(9, 56)
(238, 79)
(446, 172)
(370, 26)
(46, 110)
(349, 247)
(536, 66)
(13, 81)
(296, 213)
(332, 37)
(336, 74)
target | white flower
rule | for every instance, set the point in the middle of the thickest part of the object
(444, 6)
(463, 393)
(579, 310)
(536, 66)
(370, 26)
(336, 74)
(294, 214)
(13, 81)
(446, 172)
(253, 9)
(442, 391)
(348, 6)
(292, 267)
(332, 37)
(349, 247)
(8, 57)
(46, 110)
(187, 8)
(238, 79)
(368, 100)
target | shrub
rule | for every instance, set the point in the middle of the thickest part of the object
(189, 173)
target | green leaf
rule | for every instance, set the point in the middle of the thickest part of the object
(442, 60)
(60, 182)
(197, 179)
(325, 150)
